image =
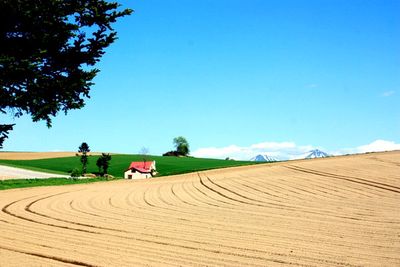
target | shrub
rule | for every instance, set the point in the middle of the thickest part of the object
(172, 154)
(75, 173)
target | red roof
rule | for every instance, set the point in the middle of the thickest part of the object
(142, 166)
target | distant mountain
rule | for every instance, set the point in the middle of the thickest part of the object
(316, 153)
(265, 158)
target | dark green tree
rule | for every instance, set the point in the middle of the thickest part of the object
(48, 49)
(181, 145)
(4, 129)
(103, 162)
(84, 149)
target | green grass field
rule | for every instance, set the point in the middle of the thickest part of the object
(119, 163)
(20, 183)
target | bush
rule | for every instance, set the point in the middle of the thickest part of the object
(172, 154)
(75, 173)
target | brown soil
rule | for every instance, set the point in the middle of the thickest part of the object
(334, 212)
(38, 155)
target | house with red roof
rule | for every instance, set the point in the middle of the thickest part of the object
(140, 170)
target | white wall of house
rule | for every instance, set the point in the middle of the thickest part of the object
(133, 174)
(153, 165)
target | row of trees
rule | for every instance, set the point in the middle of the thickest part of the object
(103, 162)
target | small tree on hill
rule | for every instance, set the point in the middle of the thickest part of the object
(181, 145)
(84, 149)
(144, 151)
(103, 162)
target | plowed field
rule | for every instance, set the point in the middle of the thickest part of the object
(341, 211)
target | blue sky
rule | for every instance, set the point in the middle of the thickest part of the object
(234, 74)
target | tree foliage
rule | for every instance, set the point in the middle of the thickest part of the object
(84, 149)
(48, 50)
(75, 173)
(4, 129)
(181, 145)
(103, 162)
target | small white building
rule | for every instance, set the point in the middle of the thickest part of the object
(141, 170)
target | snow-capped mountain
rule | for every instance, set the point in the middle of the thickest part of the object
(265, 158)
(316, 153)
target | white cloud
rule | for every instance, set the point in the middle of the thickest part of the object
(286, 150)
(375, 146)
(388, 93)
(279, 150)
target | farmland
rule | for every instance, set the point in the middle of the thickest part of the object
(119, 163)
(340, 211)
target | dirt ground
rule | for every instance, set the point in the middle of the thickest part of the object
(38, 155)
(340, 211)
(17, 173)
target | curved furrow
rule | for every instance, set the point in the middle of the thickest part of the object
(362, 191)
(360, 210)
(251, 188)
(326, 261)
(162, 243)
(161, 254)
(232, 191)
(324, 194)
(209, 196)
(179, 198)
(358, 191)
(303, 214)
(352, 179)
(318, 212)
(48, 257)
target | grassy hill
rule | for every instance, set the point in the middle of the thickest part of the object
(120, 162)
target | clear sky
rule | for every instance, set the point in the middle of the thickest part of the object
(239, 77)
